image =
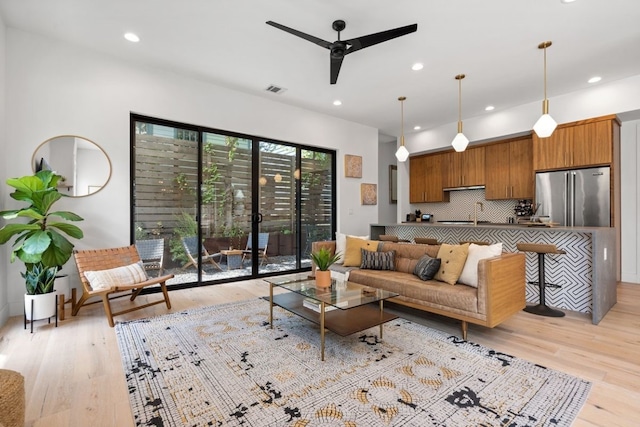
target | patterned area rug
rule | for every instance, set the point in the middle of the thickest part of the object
(223, 365)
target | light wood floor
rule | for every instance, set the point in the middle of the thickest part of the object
(74, 375)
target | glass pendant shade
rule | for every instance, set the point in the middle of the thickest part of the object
(545, 126)
(402, 154)
(460, 142)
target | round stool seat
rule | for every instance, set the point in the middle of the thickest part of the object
(12, 398)
(426, 241)
(541, 249)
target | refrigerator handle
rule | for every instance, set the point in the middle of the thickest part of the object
(566, 198)
(573, 200)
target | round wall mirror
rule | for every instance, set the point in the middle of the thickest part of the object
(84, 166)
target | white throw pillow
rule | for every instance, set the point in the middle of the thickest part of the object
(119, 276)
(341, 244)
(469, 275)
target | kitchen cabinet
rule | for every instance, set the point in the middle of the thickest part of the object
(575, 145)
(464, 169)
(425, 179)
(509, 170)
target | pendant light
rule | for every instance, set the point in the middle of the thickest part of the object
(545, 125)
(402, 154)
(460, 142)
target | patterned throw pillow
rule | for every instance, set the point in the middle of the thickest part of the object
(427, 267)
(378, 260)
(126, 275)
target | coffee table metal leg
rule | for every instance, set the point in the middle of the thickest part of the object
(381, 311)
(322, 331)
(271, 305)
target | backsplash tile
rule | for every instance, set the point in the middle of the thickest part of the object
(460, 207)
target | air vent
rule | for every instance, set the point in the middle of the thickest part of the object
(275, 89)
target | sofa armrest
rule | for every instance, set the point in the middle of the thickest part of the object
(316, 246)
(501, 286)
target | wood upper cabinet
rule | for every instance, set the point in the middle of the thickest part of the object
(464, 169)
(425, 174)
(509, 170)
(579, 144)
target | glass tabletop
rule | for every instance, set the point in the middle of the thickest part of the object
(343, 295)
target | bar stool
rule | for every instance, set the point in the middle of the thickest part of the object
(426, 240)
(476, 242)
(390, 238)
(541, 249)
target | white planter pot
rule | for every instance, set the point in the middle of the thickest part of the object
(62, 285)
(44, 306)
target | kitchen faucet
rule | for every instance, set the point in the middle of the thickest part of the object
(475, 212)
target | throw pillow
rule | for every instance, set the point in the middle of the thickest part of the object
(427, 267)
(341, 244)
(352, 254)
(452, 258)
(119, 276)
(469, 275)
(378, 260)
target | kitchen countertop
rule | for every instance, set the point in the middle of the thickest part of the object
(496, 225)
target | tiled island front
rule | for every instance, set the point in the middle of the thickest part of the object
(586, 273)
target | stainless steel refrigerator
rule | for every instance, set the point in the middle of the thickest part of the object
(578, 197)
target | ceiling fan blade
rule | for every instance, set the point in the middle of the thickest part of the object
(305, 36)
(366, 41)
(336, 63)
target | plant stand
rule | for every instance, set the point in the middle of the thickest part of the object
(33, 320)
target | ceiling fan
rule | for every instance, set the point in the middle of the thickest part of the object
(340, 48)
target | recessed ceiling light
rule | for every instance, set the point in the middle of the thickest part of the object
(567, 1)
(132, 37)
(417, 128)
(594, 79)
(417, 66)
(489, 108)
(337, 102)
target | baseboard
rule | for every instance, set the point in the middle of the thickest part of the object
(630, 278)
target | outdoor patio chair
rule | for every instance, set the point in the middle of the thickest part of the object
(263, 242)
(101, 266)
(190, 245)
(151, 253)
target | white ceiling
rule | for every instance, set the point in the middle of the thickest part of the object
(493, 42)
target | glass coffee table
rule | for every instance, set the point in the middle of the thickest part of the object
(345, 308)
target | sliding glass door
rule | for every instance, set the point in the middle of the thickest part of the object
(226, 206)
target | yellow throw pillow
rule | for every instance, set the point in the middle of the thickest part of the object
(452, 262)
(352, 253)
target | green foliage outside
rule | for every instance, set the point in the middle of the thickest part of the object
(186, 226)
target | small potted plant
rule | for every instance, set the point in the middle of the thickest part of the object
(40, 242)
(323, 260)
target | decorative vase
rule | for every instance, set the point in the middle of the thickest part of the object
(323, 278)
(44, 306)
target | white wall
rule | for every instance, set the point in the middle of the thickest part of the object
(58, 89)
(630, 200)
(4, 250)
(387, 212)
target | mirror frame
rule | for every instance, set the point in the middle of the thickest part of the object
(34, 158)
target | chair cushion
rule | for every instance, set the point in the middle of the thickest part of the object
(469, 275)
(377, 260)
(427, 267)
(452, 259)
(119, 276)
(352, 254)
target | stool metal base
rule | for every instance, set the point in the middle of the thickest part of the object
(543, 310)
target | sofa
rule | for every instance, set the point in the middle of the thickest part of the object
(500, 290)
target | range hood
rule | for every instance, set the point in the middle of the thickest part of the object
(470, 187)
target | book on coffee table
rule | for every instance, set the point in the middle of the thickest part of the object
(315, 305)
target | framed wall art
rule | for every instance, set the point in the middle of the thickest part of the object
(352, 166)
(369, 194)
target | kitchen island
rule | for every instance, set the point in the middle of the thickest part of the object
(586, 274)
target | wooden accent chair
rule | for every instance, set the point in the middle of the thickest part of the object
(151, 253)
(105, 259)
(190, 245)
(263, 243)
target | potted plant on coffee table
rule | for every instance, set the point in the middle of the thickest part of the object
(323, 259)
(40, 242)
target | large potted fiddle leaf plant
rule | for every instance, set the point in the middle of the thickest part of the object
(40, 237)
